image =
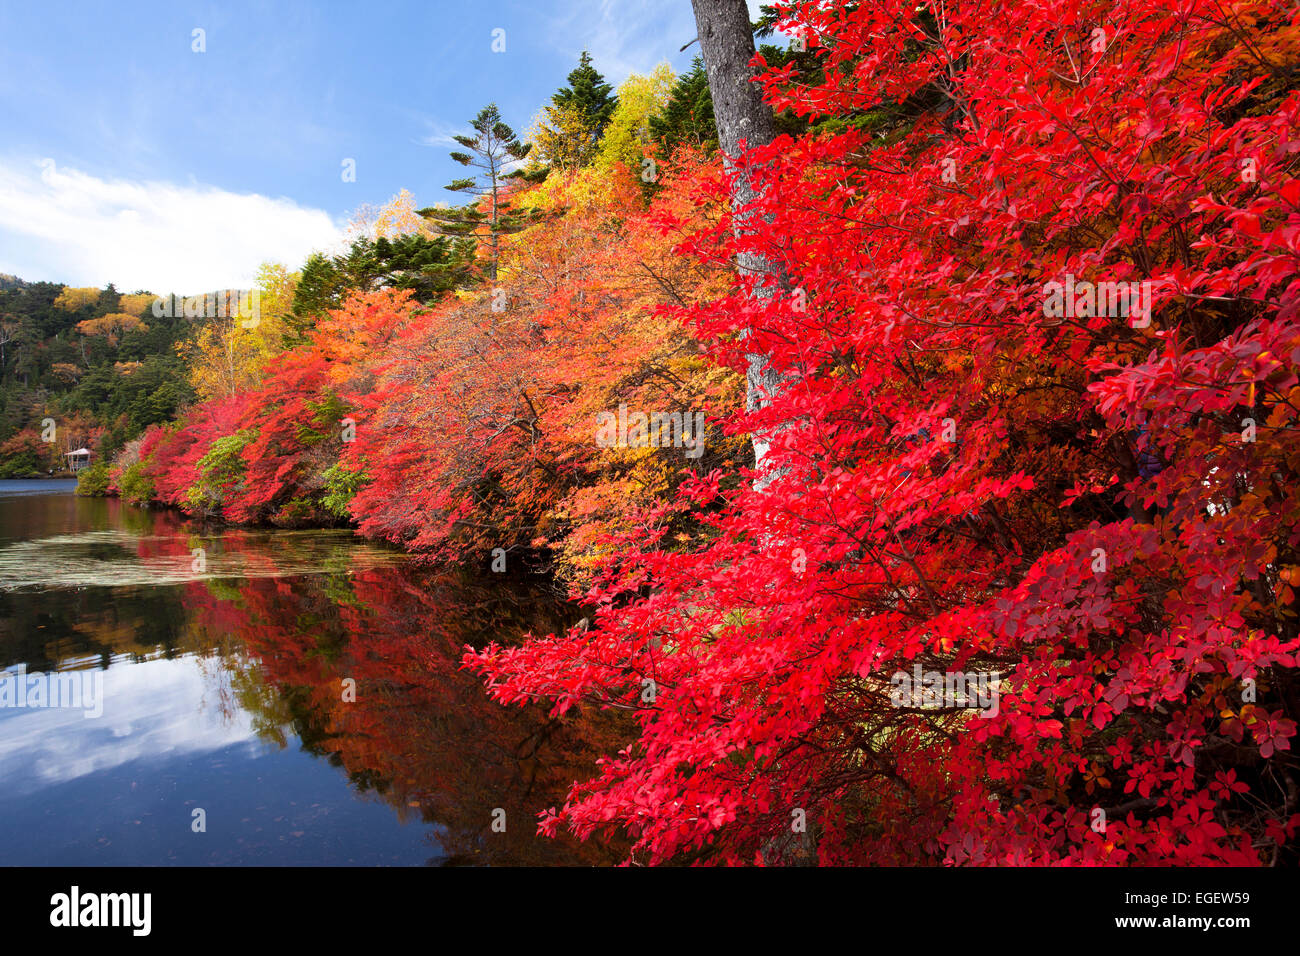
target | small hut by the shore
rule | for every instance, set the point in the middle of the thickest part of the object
(78, 459)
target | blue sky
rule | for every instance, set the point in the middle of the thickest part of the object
(128, 157)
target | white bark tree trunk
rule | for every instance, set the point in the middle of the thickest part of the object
(727, 41)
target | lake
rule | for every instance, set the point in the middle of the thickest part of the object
(262, 697)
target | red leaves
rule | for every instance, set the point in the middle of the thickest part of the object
(1003, 544)
(1272, 731)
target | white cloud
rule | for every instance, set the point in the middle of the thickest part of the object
(441, 134)
(63, 225)
(148, 712)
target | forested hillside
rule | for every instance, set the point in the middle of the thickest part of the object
(94, 368)
(92, 361)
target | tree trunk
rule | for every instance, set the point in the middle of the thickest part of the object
(727, 41)
(496, 239)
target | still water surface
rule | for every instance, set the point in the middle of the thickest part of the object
(223, 674)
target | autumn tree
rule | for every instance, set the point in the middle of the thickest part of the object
(563, 138)
(66, 372)
(640, 99)
(496, 444)
(112, 327)
(25, 455)
(135, 303)
(229, 352)
(74, 299)
(398, 217)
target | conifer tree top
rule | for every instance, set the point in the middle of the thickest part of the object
(589, 93)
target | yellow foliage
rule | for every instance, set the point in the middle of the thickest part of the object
(112, 326)
(399, 218)
(230, 352)
(584, 191)
(562, 137)
(628, 135)
(65, 371)
(71, 299)
(136, 304)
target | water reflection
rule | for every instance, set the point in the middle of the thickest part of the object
(221, 676)
(120, 558)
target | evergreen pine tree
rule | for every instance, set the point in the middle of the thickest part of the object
(688, 115)
(493, 148)
(428, 266)
(589, 94)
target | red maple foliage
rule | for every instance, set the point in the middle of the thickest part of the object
(985, 460)
(299, 421)
(169, 455)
